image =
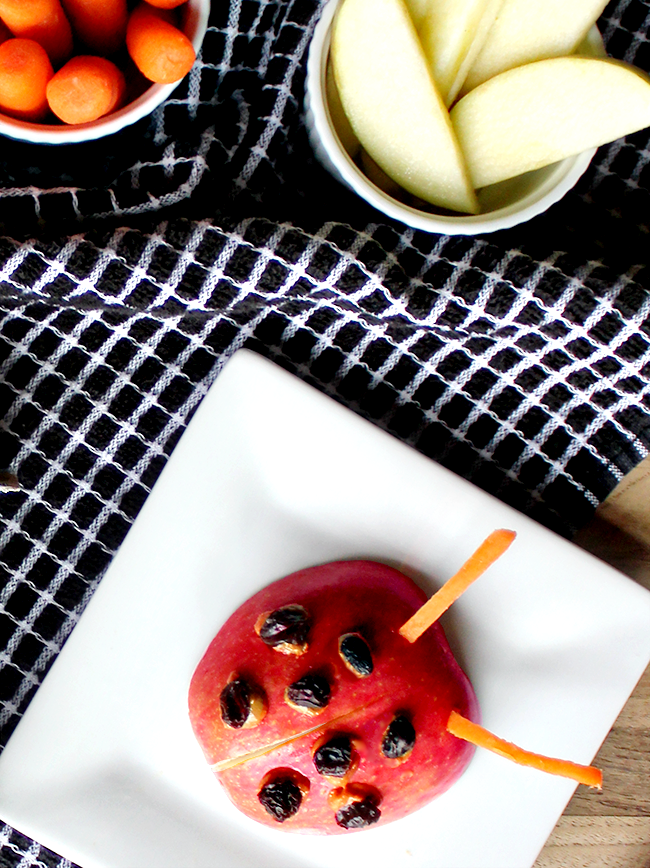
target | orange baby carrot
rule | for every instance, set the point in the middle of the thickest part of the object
(25, 70)
(85, 89)
(5, 33)
(484, 556)
(160, 50)
(41, 20)
(165, 4)
(475, 734)
(99, 24)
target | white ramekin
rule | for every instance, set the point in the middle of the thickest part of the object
(503, 205)
(195, 22)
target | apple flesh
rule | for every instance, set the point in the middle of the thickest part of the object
(420, 683)
(543, 112)
(418, 10)
(392, 104)
(452, 33)
(529, 30)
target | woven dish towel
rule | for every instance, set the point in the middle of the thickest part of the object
(131, 269)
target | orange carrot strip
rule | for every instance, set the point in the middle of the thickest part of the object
(485, 555)
(41, 20)
(160, 50)
(25, 70)
(481, 737)
(99, 24)
(85, 89)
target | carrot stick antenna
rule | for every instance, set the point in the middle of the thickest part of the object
(475, 734)
(484, 556)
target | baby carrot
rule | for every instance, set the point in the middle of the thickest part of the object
(85, 89)
(25, 70)
(160, 50)
(5, 33)
(165, 4)
(99, 24)
(41, 20)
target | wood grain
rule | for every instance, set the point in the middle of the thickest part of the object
(612, 829)
(597, 842)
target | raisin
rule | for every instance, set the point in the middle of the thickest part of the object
(334, 757)
(309, 692)
(281, 798)
(235, 703)
(357, 815)
(356, 654)
(241, 704)
(399, 738)
(287, 626)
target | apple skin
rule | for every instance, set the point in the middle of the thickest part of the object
(421, 680)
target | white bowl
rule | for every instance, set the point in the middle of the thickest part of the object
(194, 25)
(502, 205)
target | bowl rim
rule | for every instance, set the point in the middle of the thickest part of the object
(195, 26)
(561, 176)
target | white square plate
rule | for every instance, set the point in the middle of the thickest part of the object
(272, 476)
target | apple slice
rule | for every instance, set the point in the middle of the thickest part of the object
(339, 118)
(378, 177)
(540, 113)
(393, 106)
(417, 10)
(452, 33)
(530, 30)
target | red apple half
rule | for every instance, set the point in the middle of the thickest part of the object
(317, 716)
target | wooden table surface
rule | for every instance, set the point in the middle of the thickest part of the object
(612, 829)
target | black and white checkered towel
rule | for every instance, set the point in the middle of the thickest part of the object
(131, 269)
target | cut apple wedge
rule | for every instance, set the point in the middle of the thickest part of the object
(530, 30)
(379, 178)
(417, 10)
(393, 106)
(543, 112)
(339, 118)
(452, 33)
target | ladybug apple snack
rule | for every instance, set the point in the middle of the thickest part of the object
(330, 701)
(374, 745)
